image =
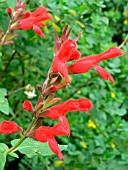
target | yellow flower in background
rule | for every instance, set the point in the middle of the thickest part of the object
(125, 21)
(83, 144)
(80, 24)
(78, 92)
(58, 163)
(113, 145)
(113, 95)
(56, 27)
(57, 18)
(72, 12)
(91, 124)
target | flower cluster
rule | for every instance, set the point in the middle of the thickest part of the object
(65, 50)
(20, 20)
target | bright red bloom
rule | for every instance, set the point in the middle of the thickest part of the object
(46, 134)
(27, 105)
(7, 127)
(34, 20)
(84, 64)
(61, 109)
(66, 53)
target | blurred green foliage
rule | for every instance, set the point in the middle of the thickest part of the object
(98, 140)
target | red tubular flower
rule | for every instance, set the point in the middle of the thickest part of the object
(46, 134)
(84, 64)
(66, 53)
(7, 127)
(34, 20)
(27, 105)
(59, 110)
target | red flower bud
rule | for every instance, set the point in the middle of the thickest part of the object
(27, 105)
(9, 11)
(7, 127)
(53, 88)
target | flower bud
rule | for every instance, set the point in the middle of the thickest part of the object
(9, 11)
(27, 105)
(53, 88)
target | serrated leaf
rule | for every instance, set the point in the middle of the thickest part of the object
(4, 106)
(2, 160)
(31, 147)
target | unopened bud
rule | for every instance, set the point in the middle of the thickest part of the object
(53, 88)
(9, 43)
(27, 14)
(39, 106)
(9, 11)
(40, 88)
(27, 105)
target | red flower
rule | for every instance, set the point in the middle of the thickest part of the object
(62, 128)
(59, 110)
(7, 127)
(84, 64)
(64, 51)
(34, 20)
(46, 134)
(9, 11)
(27, 105)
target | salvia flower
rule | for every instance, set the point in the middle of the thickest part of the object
(35, 20)
(46, 134)
(27, 105)
(55, 112)
(66, 53)
(84, 64)
(7, 127)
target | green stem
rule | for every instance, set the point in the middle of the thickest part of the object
(22, 138)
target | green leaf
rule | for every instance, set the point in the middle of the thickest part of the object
(13, 155)
(3, 147)
(4, 106)
(31, 147)
(11, 3)
(2, 160)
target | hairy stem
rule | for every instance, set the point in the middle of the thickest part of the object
(22, 138)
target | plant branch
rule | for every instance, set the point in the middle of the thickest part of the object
(15, 91)
(124, 42)
(2, 74)
(22, 138)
